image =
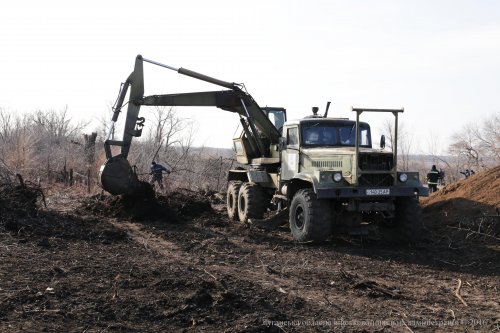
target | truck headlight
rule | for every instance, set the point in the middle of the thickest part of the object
(337, 177)
(403, 177)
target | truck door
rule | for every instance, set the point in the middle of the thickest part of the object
(290, 155)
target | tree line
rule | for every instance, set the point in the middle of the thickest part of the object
(49, 146)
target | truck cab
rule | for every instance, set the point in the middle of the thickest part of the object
(325, 164)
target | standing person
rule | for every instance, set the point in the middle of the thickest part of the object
(157, 174)
(432, 179)
(441, 177)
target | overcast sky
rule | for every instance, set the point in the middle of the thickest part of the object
(437, 59)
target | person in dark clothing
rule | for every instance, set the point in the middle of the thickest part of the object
(432, 179)
(157, 174)
(466, 173)
(441, 177)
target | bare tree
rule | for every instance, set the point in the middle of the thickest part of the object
(488, 137)
(167, 126)
(477, 146)
(32, 143)
(465, 143)
(168, 139)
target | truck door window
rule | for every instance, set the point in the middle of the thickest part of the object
(364, 137)
(292, 137)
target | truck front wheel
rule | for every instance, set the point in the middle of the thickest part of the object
(233, 189)
(309, 217)
(252, 202)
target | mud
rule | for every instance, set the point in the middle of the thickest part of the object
(104, 264)
(173, 207)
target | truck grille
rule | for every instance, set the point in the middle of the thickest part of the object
(376, 180)
(327, 164)
(379, 162)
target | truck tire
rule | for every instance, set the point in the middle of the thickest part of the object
(233, 189)
(252, 202)
(310, 218)
(409, 223)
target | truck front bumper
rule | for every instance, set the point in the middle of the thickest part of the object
(371, 192)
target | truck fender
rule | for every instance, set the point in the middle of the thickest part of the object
(238, 174)
(300, 181)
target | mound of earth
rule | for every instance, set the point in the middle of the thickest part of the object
(483, 188)
(148, 206)
(472, 203)
(18, 200)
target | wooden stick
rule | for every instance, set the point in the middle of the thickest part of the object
(474, 232)
(210, 274)
(409, 329)
(457, 292)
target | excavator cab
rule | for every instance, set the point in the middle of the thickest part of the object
(277, 116)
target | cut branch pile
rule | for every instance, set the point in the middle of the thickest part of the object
(18, 198)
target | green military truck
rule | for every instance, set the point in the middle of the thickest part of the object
(324, 171)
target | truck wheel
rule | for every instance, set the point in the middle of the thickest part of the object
(409, 218)
(252, 202)
(233, 189)
(309, 217)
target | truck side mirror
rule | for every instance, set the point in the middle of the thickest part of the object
(282, 144)
(382, 142)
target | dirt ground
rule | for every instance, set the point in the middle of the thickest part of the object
(177, 264)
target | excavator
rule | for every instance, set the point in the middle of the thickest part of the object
(260, 134)
(322, 171)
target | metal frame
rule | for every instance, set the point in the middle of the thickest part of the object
(395, 112)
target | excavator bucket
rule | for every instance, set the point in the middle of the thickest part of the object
(117, 177)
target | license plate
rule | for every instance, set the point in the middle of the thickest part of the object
(378, 191)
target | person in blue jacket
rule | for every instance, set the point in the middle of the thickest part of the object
(157, 174)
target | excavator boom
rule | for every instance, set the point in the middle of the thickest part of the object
(116, 174)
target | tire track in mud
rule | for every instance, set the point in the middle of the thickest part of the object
(148, 239)
(255, 272)
(173, 252)
(300, 283)
(329, 281)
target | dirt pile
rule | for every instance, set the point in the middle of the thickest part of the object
(476, 195)
(472, 204)
(148, 206)
(483, 188)
(18, 200)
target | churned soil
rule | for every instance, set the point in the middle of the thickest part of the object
(175, 263)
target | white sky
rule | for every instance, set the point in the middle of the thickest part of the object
(438, 59)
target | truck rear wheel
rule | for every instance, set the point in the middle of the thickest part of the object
(409, 218)
(233, 189)
(252, 202)
(309, 217)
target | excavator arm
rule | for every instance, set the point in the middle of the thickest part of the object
(235, 101)
(117, 176)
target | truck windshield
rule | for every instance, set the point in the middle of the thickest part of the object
(335, 134)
